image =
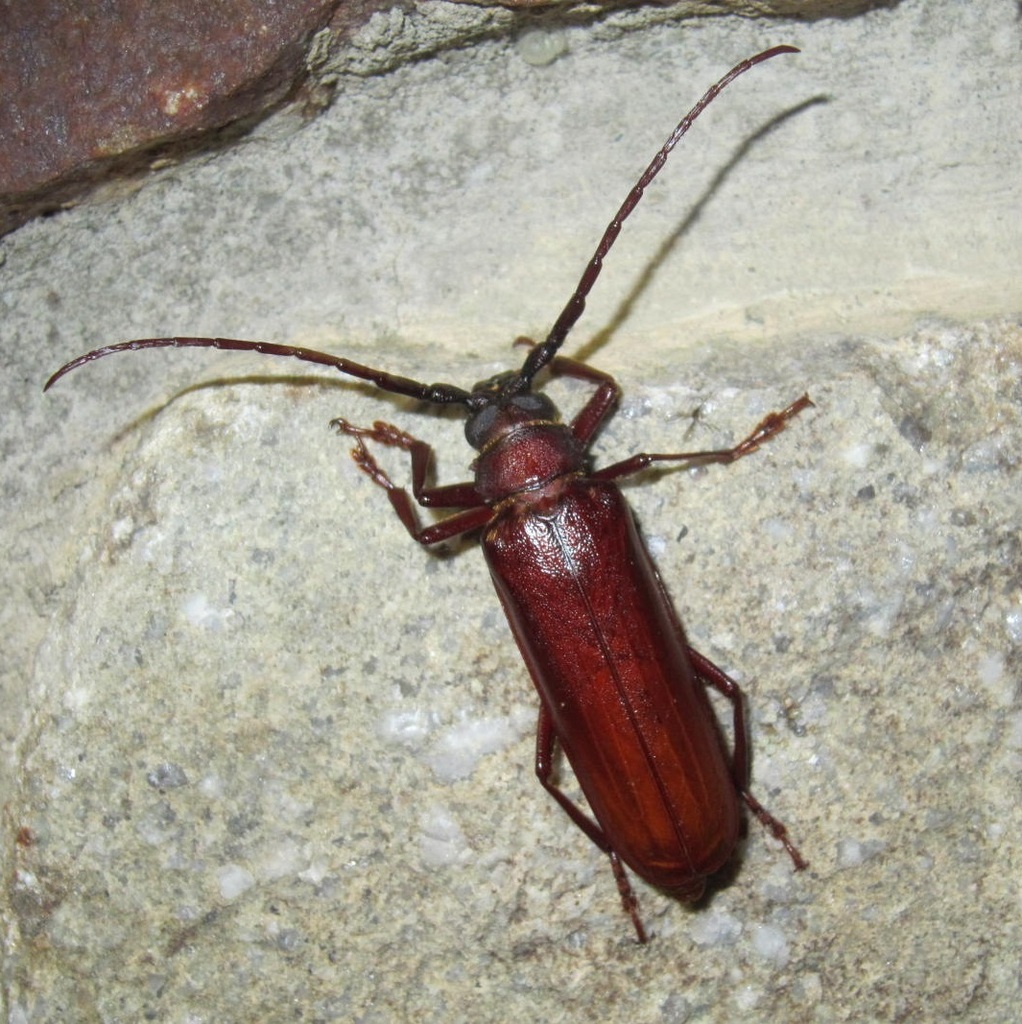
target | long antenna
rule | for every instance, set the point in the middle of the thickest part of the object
(439, 394)
(542, 354)
(446, 394)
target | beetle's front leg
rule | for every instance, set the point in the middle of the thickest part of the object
(454, 496)
(600, 404)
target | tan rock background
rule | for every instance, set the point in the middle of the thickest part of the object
(267, 760)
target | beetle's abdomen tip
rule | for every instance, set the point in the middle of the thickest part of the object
(690, 892)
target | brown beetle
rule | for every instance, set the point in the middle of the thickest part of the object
(621, 691)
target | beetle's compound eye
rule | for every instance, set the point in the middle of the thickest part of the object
(501, 414)
(535, 407)
(479, 428)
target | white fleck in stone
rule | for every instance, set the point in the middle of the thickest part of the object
(808, 988)
(442, 842)
(314, 873)
(747, 997)
(849, 853)
(26, 880)
(857, 455)
(540, 47)
(408, 728)
(212, 786)
(122, 529)
(992, 675)
(656, 545)
(1013, 736)
(778, 530)
(200, 613)
(234, 880)
(76, 698)
(281, 861)
(716, 928)
(461, 747)
(769, 942)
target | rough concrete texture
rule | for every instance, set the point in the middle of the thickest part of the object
(268, 760)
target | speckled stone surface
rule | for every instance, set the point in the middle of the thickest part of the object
(268, 760)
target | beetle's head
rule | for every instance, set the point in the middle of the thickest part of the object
(502, 402)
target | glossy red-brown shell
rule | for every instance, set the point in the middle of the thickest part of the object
(608, 657)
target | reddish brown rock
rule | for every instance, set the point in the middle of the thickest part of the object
(87, 90)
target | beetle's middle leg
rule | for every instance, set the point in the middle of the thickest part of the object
(770, 426)
(546, 740)
(710, 675)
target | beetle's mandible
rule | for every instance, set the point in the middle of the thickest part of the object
(620, 689)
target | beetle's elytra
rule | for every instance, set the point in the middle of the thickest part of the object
(620, 689)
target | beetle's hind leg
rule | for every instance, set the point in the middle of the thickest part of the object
(710, 675)
(546, 741)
